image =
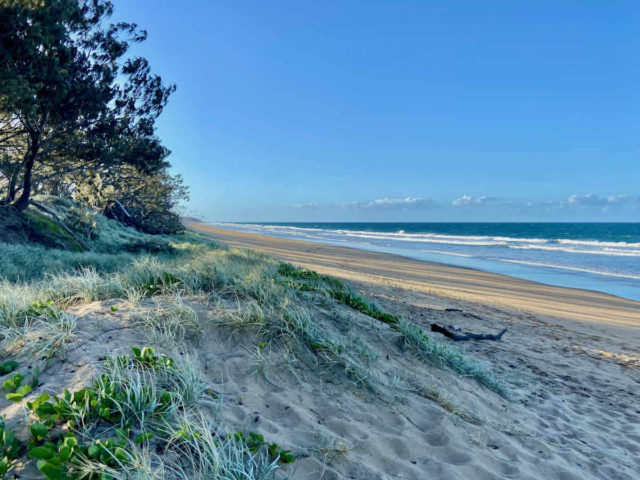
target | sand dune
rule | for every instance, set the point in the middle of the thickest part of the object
(570, 357)
(565, 405)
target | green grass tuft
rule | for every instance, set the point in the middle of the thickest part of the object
(436, 353)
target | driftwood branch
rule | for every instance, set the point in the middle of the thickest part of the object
(124, 210)
(460, 337)
(116, 210)
(80, 242)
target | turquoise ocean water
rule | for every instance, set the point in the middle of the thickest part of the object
(595, 256)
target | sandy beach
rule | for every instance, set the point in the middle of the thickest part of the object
(570, 360)
(381, 269)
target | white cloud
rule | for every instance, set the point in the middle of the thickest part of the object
(591, 200)
(393, 203)
(377, 204)
(573, 205)
(588, 199)
(620, 198)
(312, 205)
(468, 200)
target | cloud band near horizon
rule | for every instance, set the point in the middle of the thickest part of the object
(575, 201)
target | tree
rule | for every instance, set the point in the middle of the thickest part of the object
(70, 98)
(138, 199)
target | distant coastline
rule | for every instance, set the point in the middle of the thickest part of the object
(603, 257)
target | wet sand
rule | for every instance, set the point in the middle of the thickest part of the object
(441, 280)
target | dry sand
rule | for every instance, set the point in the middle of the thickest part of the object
(382, 269)
(571, 359)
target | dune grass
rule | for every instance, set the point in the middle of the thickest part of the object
(144, 411)
(139, 404)
(270, 295)
(170, 322)
(436, 353)
(113, 246)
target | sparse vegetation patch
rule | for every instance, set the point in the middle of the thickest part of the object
(437, 353)
(139, 398)
(147, 411)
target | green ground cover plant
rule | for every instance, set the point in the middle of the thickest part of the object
(67, 432)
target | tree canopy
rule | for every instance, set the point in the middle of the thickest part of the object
(73, 103)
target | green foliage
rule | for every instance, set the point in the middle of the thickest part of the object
(160, 283)
(66, 77)
(13, 382)
(146, 358)
(103, 401)
(149, 201)
(46, 231)
(82, 221)
(101, 233)
(143, 437)
(148, 245)
(8, 367)
(439, 354)
(358, 303)
(254, 442)
(62, 459)
(444, 355)
(309, 279)
(285, 456)
(115, 248)
(10, 448)
(102, 407)
(19, 394)
(211, 455)
(20, 262)
(40, 308)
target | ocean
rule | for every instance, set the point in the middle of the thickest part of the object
(594, 256)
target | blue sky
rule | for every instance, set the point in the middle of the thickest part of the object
(400, 110)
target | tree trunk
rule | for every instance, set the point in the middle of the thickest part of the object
(11, 188)
(23, 202)
(79, 241)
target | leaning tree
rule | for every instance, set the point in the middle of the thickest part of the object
(71, 98)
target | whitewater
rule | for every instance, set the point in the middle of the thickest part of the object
(602, 257)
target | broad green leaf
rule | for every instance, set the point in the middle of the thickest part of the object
(121, 454)
(43, 453)
(38, 430)
(143, 437)
(8, 367)
(93, 451)
(50, 471)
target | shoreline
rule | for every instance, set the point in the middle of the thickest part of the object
(474, 250)
(569, 359)
(448, 281)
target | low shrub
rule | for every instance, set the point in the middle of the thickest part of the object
(141, 398)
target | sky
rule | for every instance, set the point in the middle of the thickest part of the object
(399, 110)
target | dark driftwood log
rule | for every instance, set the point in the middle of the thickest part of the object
(461, 337)
(80, 242)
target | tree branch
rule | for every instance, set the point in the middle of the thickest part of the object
(80, 242)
